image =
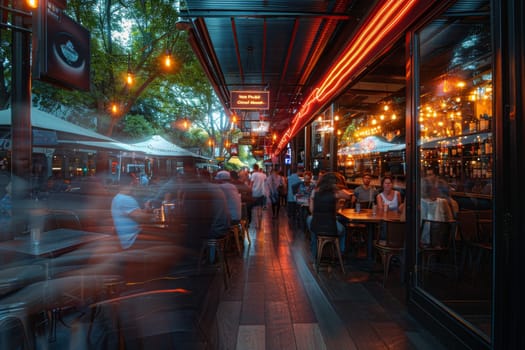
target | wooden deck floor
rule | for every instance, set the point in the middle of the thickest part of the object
(276, 300)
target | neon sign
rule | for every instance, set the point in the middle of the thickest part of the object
(382, 23)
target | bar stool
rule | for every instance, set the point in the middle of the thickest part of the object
(322, 240)
(236, 230)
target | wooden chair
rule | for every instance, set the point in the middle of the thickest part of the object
(392, 246)
(474, 243)
(322, 240)
(441, 245)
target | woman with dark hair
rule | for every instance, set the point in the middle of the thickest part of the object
(389, 199)
(324, 205)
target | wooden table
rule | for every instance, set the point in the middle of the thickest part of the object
(365, 216)
(53, 243)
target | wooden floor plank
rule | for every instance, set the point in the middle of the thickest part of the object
(228, 315)
(251, 337)
(252, 311)
(279, 331)
(277, 301)
(308, 336)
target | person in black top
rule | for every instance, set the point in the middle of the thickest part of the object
(324, 206)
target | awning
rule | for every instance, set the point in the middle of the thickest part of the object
(43, 120)
(371, 144)
(456, 140)
(158, 146)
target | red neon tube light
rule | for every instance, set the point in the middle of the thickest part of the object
(380, 24)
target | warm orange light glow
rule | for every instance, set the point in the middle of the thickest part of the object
(234, 118)
(129, 78)
(32, 4)
(114, 108)
(382, 23)
(167, 60)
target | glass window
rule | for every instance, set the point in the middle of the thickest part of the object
(454, 247)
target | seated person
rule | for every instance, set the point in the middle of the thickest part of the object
(389, 198)
(127, 213)
(323, 206)
(365, 194)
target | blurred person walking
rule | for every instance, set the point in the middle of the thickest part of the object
(275, 182)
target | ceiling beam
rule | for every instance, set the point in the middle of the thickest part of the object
(221, 13)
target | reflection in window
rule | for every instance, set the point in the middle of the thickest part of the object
(455, 148)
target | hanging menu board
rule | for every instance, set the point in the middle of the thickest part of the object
(250, 99)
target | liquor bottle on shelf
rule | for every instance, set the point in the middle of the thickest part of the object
(488, 145)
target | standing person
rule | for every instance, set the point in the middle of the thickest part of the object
(258, 184)
(389, 198)
(283, 192)
(307, 185)
(244, 189)
(274, 182)
(365, 194)
(323, 206)
(293, 184)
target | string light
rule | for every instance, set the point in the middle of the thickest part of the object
(33, 4)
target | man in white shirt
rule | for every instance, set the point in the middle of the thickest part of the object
(258, 183)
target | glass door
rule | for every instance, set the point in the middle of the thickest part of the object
(455, 151)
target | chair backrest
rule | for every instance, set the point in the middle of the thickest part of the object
(484, 226)
(12, 334)
(55, 219)
(395, 233)
(467, 224)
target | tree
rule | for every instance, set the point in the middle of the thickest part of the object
(132, 36)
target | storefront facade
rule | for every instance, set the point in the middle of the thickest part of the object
(449, 115)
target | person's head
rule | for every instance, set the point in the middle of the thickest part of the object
(387, 183)
(428, 188)
(307, 177)
(127, 181)
(443, 188)
(222, 176)
(255, 167)
(366, 179)
(328, 183)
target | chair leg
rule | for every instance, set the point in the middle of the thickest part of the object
(236, 232)
(320, 245)
(338, 248)
(386, 266)
(246, 232)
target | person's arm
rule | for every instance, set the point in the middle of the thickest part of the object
(140, 215)
(380, 202)
(311, 202)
